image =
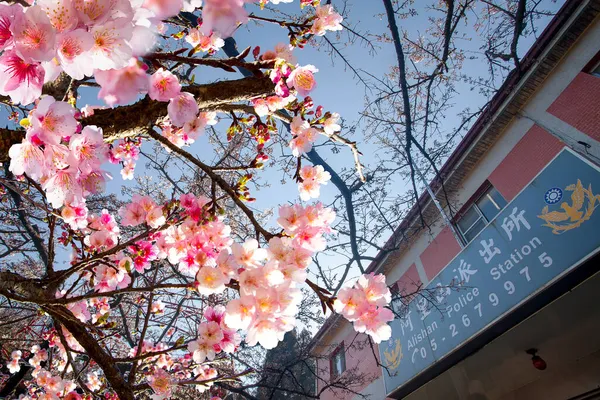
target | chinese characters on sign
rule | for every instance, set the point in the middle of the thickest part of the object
(528, 246)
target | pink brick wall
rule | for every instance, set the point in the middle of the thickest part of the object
(439, 252)
(524, 161)
(410, 281)
(579, 105)
(358, 355)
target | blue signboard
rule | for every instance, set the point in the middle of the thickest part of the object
(548, 229)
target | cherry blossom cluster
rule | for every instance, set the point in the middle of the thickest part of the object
(311, 180)
(186, 135)
(214, 336)
(77, 37)
(46, 385)
(210, 43)
(62, 156)
(364, 305)
(126, 152)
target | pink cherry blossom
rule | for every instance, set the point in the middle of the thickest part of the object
(282, 51)
(163, 85)
(375, 289)
(61, 13)
(20, 80)
(331, 126)
(312, 179)
(73, 50)
(263, 331)
(53, 120)
(207, 43)
(163, 9)
(222, 16)
(7, 16)
(93, 381)
(182, 109)
(351, 303)
(302, 79)
(195, 128)
(210, 280)
(26, 158)
(92, 12)
(327, 20)
(88, 149)
(374, 323)
(248, 254)
(120, 86)
(13, 366)
(240, 312)
(161, 382)
(304, 136)
(111, 50)
(34, 35)
(155, 218)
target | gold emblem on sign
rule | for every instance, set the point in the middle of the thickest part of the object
(573, 215)
(393, 356)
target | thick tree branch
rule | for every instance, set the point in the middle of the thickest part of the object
(127, 121)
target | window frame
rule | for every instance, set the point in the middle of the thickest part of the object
(593, 66)
(472, 203)
(340, 349)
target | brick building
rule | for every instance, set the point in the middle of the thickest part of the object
(511, 306)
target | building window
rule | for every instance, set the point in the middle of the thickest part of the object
(480, 213)
(596, 70)
(337, 361)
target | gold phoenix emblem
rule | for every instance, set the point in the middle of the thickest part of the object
(393, 357)
(583, 204)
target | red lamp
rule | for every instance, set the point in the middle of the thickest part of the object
(537, 361)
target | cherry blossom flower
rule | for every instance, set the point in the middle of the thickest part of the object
(222, 16)
(20, 80)
(88, 149)
(264, 331)
(34, 35)
(364, 304)
(327, 20)
(163, 85)
(248, 254)
(351, 303)
(119, 86)
(304, 136)
(53, 120)
(61, 13)
(331, 126)
(93, 381)
(13, 366)
(282, 51)
(157, 307)
(7, 16)
(161, 382)
(375, 289)
(196, 127)
(374, 323)
(210, 280)
(164, 9)
(111, 50)
(26, 157)
(240, 312)
(208, 43)
(182, 109)
(73, 50)
(303, 79)
(312, 179)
